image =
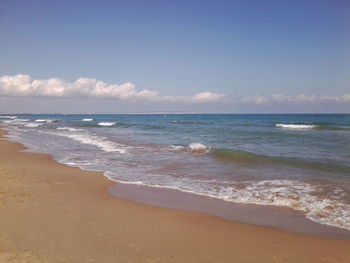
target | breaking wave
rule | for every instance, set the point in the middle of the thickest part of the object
(91, 139)
(45, 120)
(107, 124)
(33, 125)
(7, 117)
(198, 148)
(296, 126)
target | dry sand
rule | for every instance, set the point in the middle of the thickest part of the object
(50, 212)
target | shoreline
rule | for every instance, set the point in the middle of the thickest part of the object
(275, 217)
(68, 216)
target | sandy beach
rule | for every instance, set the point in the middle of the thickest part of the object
(50, 212)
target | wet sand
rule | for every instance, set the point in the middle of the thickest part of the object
(51, 212)
(283, 218)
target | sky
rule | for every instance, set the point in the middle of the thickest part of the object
(248, 56)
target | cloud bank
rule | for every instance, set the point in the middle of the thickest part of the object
(23, 86)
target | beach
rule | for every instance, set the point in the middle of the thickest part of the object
(51, 212)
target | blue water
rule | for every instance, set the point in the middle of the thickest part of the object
(295, 160)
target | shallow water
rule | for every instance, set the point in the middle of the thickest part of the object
(297, 161)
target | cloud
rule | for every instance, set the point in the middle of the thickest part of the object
(23, 86)
(302, 98)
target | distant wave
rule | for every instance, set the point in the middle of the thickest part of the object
(107, 124)
(87, 119)
(331, 128)
(33, 125)
(69, 129)
(15, 121)
(240, 156)
(22, 120)
(320, 127)
(7, 117)
(190, 122)
(296, 126)
(45, 120)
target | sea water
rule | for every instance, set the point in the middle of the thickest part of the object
(299, 161)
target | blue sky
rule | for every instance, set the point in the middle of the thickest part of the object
(244, 51)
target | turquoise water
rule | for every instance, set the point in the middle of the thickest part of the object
(295, 160)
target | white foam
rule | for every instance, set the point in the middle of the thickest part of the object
(22, 120)
(177, 147)
(288, 193)
(198, 148)
(33, 125)
(69, 129)
(294, 194)
(7, 117)
(15, 121)
(91, 139)
(45, 120)
(107, 124)
(295, 126)
(87, 119)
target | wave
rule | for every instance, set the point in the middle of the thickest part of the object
(22, 120)
(87, 119)
(68, 129)
(198, 148)
(16, 121)
(296, 126)
(154, 127)
(331, 128)
(107, 124)
(7, 117)
(240, 156)
(33, 125)
(91, 139)
(191, 122)
(45, 120)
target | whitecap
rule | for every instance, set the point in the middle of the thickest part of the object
(94, 140)
(87, 119)
(33, 125)
(45, 120)
(22, 120)
(198, 148)
(7, 117)
(296, 126)
(107, 124)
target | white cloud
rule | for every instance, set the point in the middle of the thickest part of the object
(23, 86)
(281, 98)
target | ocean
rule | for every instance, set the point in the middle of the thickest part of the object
(300, 161)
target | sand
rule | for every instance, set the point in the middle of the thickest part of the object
(50, 212)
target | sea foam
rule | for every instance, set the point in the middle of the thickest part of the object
(295, 126)
(87, 119)
(22, 120)
(45, 120)
(107, 124)
(198, 148)
(91, 139)
(68, 129)
(33, 125)
(7, 117)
